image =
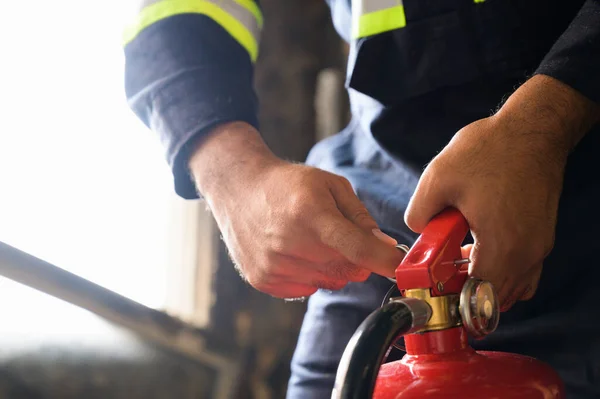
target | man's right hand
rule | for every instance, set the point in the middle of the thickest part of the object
(290, 228)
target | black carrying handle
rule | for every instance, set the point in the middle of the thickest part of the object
(360, 363)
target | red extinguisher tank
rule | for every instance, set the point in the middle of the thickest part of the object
(440, 306)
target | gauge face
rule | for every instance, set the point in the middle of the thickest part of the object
(479, 307)
(487, 309)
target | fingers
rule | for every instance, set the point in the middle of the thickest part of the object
(520, 290)
(351, 206)
(359, 247)
(354, 210)
(352, 232)
(465, 251)
(331, 275)
(343, 270)
(430, 198)
(384, 237)
(510, 296)
(490, 263)
(532, 285)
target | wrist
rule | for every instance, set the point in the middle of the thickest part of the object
(230, 154)
(555, 114)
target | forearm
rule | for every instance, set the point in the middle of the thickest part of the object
(189, 69)
(230, 152)
(561, 102)
(554, 111)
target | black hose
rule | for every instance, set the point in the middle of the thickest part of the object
(370, 344)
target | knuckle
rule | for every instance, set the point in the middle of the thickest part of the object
(309, 177)
(360, 255)
(362, 216)
(434, 167)
(345, 182)
(298, 207)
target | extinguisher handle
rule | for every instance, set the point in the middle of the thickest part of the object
(430, 262)
(360, 363)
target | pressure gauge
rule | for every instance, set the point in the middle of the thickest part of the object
(479, 307)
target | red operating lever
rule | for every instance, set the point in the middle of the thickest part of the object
(430, 263)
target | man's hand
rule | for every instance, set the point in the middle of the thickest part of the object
(290, 229)
(504, 173)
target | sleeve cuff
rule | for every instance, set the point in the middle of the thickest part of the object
(575, 57)
(184, 76)
(189, 107)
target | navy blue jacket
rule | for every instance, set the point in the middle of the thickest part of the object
(186, 72)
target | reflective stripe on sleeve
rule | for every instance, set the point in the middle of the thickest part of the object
(371, 17)
(242, 19)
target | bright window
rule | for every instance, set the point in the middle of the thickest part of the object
(83, 184)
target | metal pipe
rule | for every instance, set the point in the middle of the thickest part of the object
(147, 323)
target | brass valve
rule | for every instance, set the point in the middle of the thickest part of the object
(476, 308)
(444, 309)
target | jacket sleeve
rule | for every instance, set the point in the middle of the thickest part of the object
(575, 57)
(189, 68)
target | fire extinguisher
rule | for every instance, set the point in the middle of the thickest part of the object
(439, 308)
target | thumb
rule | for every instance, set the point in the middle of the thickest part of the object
(351, 206)
(429, 199)
(359, 247)
(354, 210)
(357, 236)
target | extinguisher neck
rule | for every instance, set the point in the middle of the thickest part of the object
(437, 342)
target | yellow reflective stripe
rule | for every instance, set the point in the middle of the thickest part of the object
(380, 21)
(253, 8)
(167, 8)
(478, 1)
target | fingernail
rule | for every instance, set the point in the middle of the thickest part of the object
(384, 237)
